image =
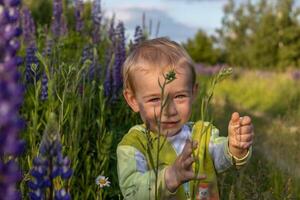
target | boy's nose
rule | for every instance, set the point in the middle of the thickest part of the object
(170, 108)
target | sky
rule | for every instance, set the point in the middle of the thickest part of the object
(179, 19)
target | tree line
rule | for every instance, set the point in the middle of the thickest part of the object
(265, 34)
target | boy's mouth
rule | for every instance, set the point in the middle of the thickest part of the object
(169, 124)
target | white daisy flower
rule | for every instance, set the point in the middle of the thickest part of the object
(102, 181)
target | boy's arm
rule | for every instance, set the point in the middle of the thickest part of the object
(222, 158)
(135, 180)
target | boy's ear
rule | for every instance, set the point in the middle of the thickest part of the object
(131, 100)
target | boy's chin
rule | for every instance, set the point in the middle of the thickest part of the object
(170, 132)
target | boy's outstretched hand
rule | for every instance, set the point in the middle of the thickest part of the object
(182, 171)
(240, 135)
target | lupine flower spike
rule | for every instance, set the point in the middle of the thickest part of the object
(59, 26)
(78, 15)
(11, 97)
(29, 41)
(50, 165)
(97, 17)
(120, 57)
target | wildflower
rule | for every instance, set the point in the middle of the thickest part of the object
(171, 75)
(78, 15)
(108, 82)
(48, 46)
(97, 17)
(120, 56)
(138, 35)
(62, 195)
(28, 28)
(11, 97)
(102, 181)
(111, 31)
(59, 26)
(44, 90)
(49, 164)
(31, 60)
(224, 73)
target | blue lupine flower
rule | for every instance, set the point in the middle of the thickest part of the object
(108, 81)
(87, 53)
(28, 28)
(78, 15)
(111, 31)
(97, 17)
(120, 56)
(49, 164)
(44, 90)
(31, 60)
(138, 35)
(59, 26)
(62, 195)
(11, 97)
(48, 48)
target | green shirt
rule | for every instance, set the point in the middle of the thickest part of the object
(213, 157)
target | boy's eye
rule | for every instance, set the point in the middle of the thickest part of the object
(154, 100)
(181, 96)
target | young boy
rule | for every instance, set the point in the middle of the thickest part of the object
(143, 70)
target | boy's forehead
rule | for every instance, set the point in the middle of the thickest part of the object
(149, 77)
(162, 70)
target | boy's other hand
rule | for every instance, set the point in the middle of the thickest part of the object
(182, 171)
(240, 135)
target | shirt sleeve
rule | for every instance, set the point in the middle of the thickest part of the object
(135, 180)
(222, 158)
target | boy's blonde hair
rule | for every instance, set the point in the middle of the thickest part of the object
(156, 53)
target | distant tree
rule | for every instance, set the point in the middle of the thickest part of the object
(263, 34)
(289, 34)
(201, 49)
(264, 46)
(235, 35)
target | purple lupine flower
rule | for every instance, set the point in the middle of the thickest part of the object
(31, 61)
(111, 31)
(11, 97)
(137, 38)
(78, 15)
(108, 81)
(62, 195)
(120, 56)
(48, 47)
(108, 74)
(138, 35)
(29, 40)
(97, 17)
(28, 28)
(87, 53)
(59, 26)
(49, 164)
(44, 89)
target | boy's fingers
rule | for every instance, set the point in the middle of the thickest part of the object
(246, 120)
(195, 144)
(235, 117)
(188, 162)
(246, 129)
(187, 149)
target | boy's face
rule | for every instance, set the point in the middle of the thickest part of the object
(147, 99)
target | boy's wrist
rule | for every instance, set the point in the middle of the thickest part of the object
(237, 152)
(171, 180)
